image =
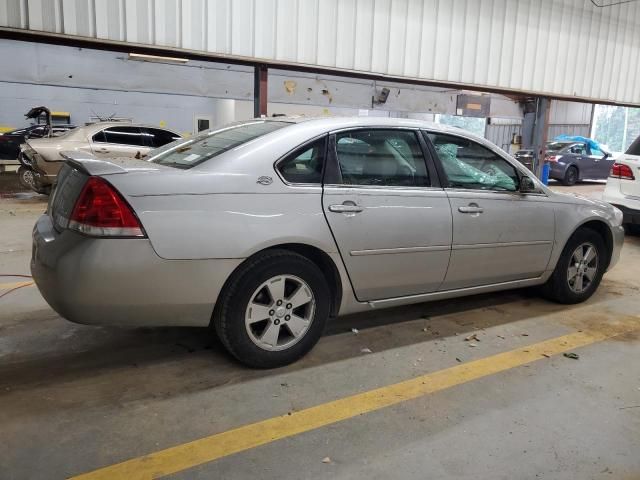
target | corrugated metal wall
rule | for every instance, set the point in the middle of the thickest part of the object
(565, 118)
(501, 135)
(556, 47)
(572, 129)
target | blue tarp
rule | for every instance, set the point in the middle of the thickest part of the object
(577, 138)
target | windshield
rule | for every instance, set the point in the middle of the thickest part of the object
(64, 133)
(634, 148)
(556, 146)
(208, 144)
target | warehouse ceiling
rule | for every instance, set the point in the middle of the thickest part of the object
(572, 49)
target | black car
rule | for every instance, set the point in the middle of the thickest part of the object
(571, 161)
(10, 142)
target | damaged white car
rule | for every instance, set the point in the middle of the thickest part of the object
(41, 160)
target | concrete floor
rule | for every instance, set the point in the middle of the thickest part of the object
(75, 398)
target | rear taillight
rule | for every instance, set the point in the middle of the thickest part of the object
(620, 170)
(100, 211)
(553, 158)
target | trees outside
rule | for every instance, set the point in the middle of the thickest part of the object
(616, 127)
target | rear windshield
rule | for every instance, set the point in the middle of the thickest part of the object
(634, 148)
(206, 145)
(556, 146)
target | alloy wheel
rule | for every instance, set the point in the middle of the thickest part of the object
(583, 267)
(280, 312)
(28, 178)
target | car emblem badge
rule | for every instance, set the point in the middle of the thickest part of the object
(264, 180)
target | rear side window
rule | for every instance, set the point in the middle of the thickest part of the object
(380, 157)
(202, 147)
(305, 164)
(99, 137)
(634, 148)
(156, 137)
(120, 136)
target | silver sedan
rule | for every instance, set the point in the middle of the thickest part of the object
(268, 228)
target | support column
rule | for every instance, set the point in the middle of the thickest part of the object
(541, 131)
(535, 128)
(260, 90)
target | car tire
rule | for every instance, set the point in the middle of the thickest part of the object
(26, 177)
(562, 286)
(570, 176)
(261, 287)
(28, 180)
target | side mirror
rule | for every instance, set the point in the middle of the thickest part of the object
(527, 185)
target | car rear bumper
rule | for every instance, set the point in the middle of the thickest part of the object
(29, 159)
(557, 170)
(123, 281)
(630, 206)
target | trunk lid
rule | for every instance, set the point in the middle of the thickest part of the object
(91, 165)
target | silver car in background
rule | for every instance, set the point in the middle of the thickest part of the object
(41, 158)
(268, 228)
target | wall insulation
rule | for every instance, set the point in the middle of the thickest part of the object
(564, 48)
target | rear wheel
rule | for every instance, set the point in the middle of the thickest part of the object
(26, 177)
(570, 176)
(579, 269)
(274, 309)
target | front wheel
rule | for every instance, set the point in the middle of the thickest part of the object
(579, 269)
(28, 179)
(273, 310)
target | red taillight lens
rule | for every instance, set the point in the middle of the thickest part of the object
(620, 170)
(102, 212)
(552, 158)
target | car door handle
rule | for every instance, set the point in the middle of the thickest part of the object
(471, 209)
(345, 208)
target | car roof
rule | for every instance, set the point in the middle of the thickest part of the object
(337, 123)
(362, 121)
(300, 130)
(122, 124)
(97, 126)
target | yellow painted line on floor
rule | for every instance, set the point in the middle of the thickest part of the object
(204, 450)
(9, 286)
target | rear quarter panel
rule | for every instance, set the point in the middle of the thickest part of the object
(233, 225)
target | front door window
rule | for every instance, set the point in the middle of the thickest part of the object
(470, 165)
